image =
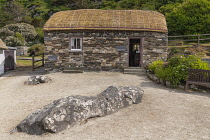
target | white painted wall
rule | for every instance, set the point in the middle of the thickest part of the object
(15, 57)
(2, 58)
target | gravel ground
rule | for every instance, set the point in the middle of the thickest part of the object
(164, 113)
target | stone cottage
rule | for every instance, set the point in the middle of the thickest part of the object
(97, 39)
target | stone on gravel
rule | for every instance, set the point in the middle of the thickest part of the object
(68, 111)
(34, 80)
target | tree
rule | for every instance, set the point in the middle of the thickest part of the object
(168, 8)
(15, 10)
(4, 17)
(18, 34)
(191, 17)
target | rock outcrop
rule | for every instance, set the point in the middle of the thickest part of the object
(71, 110)
(34, 80)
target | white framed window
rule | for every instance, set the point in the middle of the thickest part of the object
(76, 44)
(1, 51)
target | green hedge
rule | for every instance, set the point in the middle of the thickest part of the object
(175, 70)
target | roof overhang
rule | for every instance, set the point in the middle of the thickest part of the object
(3, 45)
(96, 19)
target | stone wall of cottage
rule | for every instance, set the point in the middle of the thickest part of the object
(99, 49)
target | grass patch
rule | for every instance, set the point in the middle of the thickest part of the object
(188, 45)
(39, 57)
(24, 63)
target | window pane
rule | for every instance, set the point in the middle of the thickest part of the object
(72, 43)
(78, 43)
(75, 43)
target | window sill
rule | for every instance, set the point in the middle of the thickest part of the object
(75, 50)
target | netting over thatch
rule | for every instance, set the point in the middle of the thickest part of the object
(2, 45)
(97, 19)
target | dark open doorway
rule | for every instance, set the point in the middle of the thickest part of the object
(9, 60)
(135, 53)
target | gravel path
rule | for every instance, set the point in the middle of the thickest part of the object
(164, 114)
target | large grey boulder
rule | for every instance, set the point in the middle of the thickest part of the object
(71, 110)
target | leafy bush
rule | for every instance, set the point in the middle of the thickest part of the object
(162, 73)
(16, 40)
(40, 35)
(195, 62)
(20, 38)
(12, 41)
(175, 51)
(38, 48)
(176, 75)
(22, 32)
(176, 69)
(154, 65)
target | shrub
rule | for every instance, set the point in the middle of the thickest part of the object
(11, 41)
(175, 51)
(21, 32)
(154, 65)
(40, 35)
(176, 75)
(195, 62)
(176, 70)
(161, 73)
(20, 38)
(38, 48)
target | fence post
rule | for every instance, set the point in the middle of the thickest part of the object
(33, 62)
(43, 60)
(199, 40)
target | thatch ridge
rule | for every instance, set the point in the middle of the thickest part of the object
(96, 19)
(2, 45)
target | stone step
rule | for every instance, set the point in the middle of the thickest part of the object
(134, 71)
(139, 74)
(134, 68)
(73, 70)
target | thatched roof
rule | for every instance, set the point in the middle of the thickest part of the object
(97, 19)
(2, 45)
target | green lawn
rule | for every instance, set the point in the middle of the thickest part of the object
(40, 57)
(27, 62)
(24, 63)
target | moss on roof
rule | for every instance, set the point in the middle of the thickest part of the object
(96, 19)
(2, 45)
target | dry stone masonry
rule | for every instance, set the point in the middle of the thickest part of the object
(99, 49)
(68, 111)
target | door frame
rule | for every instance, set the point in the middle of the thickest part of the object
(141, 48)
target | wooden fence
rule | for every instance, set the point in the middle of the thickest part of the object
(36, 61)
(196, 40)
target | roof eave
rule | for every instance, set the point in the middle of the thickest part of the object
(100, 28)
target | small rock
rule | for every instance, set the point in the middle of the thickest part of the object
(168, 83)
(162, 82)
(154, 78)
(34, 80)
(181, 86)
(158, 81)
(204, 91)
(193, 87)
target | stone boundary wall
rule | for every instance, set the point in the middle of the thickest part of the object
(99, 49)
(22, 50)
